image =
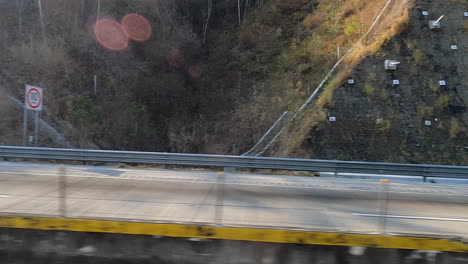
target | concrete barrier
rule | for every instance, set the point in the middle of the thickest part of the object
(26, 246)
(281, 236)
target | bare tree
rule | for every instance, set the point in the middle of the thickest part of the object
(82, 8)
(246, 7)
(3, 38)
(98, 10)
(239, 10)
(41, 16)
(20, 8)
(208, 16)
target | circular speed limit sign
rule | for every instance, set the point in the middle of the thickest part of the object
(33, 98)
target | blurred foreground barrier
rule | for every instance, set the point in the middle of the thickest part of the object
(239, 233)
(203, 160)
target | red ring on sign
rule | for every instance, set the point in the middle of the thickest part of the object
(38, 95)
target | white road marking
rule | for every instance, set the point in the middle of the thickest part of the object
(414, 217)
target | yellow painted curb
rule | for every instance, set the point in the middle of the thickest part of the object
(234, 233)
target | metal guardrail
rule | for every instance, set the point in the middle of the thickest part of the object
(202, 160)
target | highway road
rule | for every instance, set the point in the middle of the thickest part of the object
(295, 202)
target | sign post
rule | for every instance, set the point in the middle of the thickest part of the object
(32, 102)
(25, 127)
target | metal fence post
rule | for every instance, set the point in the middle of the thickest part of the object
(383, 205)
(62, 191)
(426, 173)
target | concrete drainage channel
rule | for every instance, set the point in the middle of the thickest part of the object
(26, 246)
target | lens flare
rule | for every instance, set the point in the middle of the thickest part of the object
(111, 35)
(175, 58)
(195, 71)
(137, 27)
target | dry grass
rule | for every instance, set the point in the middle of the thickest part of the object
(434, 86)
(294, 137)
(326, 97)
(462, 2)
(48, 55)
(384, 95)
(10, 120)
(455, 128)
(391, 25)
(397, 47)
(442, 102)
(250, 35)
(288, 6)
(374, 44)
(312, 21)
(425, 111)
(419, 56)
(368, 90)
(384, 126)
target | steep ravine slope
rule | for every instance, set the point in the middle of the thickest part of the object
(379, 121)
(247, 74)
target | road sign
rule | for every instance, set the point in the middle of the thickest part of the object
(33, 98)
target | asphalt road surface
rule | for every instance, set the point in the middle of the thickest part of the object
(235, 199)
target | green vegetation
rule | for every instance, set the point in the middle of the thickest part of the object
(384, 95)
(352, 27)
(384, 126)
(83, 109)
(368, 90)
(434, 86)
(425, 111)
(455, 128)
(419, 57)
(442, 102)
(306, 173)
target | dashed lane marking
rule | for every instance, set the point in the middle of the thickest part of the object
(414, 217)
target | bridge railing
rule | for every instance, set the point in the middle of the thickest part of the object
(204, 160)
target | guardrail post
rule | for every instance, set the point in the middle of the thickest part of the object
(62, 191)
(426, 172)
(219, 198)
(337, 169)
(383, 205)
